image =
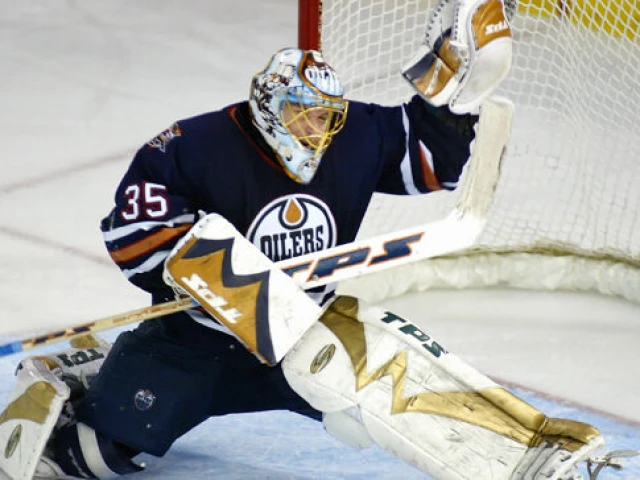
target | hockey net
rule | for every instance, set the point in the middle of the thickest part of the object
(567, 208)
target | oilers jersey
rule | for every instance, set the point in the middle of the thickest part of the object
(218, 162)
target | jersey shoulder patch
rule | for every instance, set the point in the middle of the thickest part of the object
(161, 140)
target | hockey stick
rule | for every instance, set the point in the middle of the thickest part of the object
(455, 233)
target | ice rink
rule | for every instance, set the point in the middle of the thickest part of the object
(85, 83)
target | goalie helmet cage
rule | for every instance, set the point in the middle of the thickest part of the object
(567, 208)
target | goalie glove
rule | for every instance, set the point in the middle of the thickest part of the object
(466, 54)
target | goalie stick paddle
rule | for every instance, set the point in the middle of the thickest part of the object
(455, 233)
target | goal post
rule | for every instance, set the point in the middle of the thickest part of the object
(567, 209)
(309, 24)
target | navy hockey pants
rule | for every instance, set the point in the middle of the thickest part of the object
(169, 375)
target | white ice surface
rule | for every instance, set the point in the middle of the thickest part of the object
(84, 83)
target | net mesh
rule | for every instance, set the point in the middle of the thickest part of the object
(567, 205)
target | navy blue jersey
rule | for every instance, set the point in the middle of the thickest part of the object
(219, 162)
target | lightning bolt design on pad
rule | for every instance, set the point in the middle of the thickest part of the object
(239, 301)
(495, 409)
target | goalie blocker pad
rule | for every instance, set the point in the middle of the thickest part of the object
(239, 286)
(423, 404)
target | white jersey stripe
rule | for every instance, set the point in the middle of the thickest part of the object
(126, 230)
(405, 165)
(149, 264)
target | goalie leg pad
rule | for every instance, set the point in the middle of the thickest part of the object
(29, 418)
(43, 386)
(423, 404)
(347, 427)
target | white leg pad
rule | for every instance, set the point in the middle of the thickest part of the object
(348, 427)
(416, 400)
(28, 420)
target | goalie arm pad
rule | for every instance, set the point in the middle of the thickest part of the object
(423, 404)
(466, 54)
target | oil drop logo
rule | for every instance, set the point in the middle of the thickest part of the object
(293, 225)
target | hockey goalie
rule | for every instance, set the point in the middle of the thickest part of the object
(203, 212)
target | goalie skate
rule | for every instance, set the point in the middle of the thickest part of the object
(597, 464)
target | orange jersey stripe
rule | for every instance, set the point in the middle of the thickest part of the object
(148, 243)
(428, 176)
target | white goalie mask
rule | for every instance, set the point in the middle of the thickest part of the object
(297, 105)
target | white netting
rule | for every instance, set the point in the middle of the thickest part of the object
(567, 209)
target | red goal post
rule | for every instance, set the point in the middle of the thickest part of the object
(309, 24)
(567, 210)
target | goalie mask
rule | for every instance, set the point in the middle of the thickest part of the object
(297, 105)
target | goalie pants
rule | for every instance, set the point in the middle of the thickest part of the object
(171, 374)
